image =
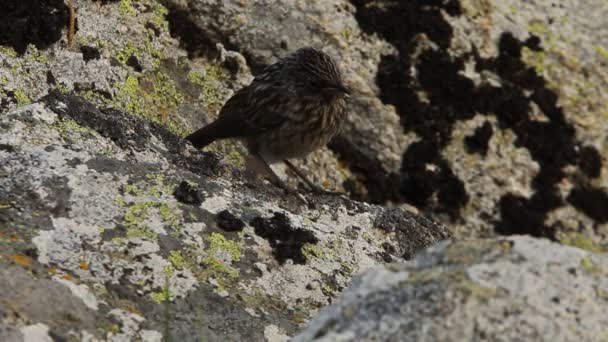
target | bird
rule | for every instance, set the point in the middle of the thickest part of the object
(290, 109)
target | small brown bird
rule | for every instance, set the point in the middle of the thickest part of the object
(292, 108)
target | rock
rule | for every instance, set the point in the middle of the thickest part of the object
(513, 289)
(89, 212)
(488, 116)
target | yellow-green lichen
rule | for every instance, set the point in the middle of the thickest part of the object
(211, 97)
(588, 265)
(602, 52)
(127, 51)
(65, 125)
(312, 251)
(21, 98)
(168, 214)
(119, 200)
(219, 242)
(538, 27)
(8, 51)
(177, 259)
(152, 96)
(126, 7)
(136, 214)
(583, 242)
(160, 17)
(218, 269)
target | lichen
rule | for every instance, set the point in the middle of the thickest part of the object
(583, 242)
(588, 265)
(177, 259)
(8, 51)
(217, 269)
(137, 213)
(219, 242)
(126, 8)
(169, 215)
(21, 98)
(152, 96)
(207, 82)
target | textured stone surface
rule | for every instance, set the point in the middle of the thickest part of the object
(96, 239)
(516, 289)
(486, 115)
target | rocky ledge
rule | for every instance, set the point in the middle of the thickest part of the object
(114, 228)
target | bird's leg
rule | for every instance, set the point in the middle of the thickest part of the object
(275, 178)
(313, 187)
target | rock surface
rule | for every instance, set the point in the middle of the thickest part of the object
(487, 115)
(516, 289)
(114, 228)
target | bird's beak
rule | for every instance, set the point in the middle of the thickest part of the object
(341, 88)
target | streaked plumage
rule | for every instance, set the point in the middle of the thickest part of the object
(292, 108)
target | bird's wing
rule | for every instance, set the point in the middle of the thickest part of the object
(253, 110)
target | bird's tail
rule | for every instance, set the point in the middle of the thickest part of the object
(205, 135)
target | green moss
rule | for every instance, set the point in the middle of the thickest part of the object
(21, 97)
(218, 242)
(3, 81)
(367, 237)
(583, 242)
(126, 7)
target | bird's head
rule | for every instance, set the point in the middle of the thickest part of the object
(316, 74)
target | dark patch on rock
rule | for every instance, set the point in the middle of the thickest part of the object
(50, 78)
(24, 22)
(110, 234)
(590, 161)
(59, 203)
(169, 243)
(131, 132)
(186, 193)
(285, 240)
(89, 53)
(591, 201)
(7, 148)
(387, 252)
(133, 62)
(120, 167)
(452, 97)
(479, 141)
(520, 215)
(413, 232)
(228, 222)
(196, 41)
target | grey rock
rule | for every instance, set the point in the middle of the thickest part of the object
(515, 289)
(87, 196)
